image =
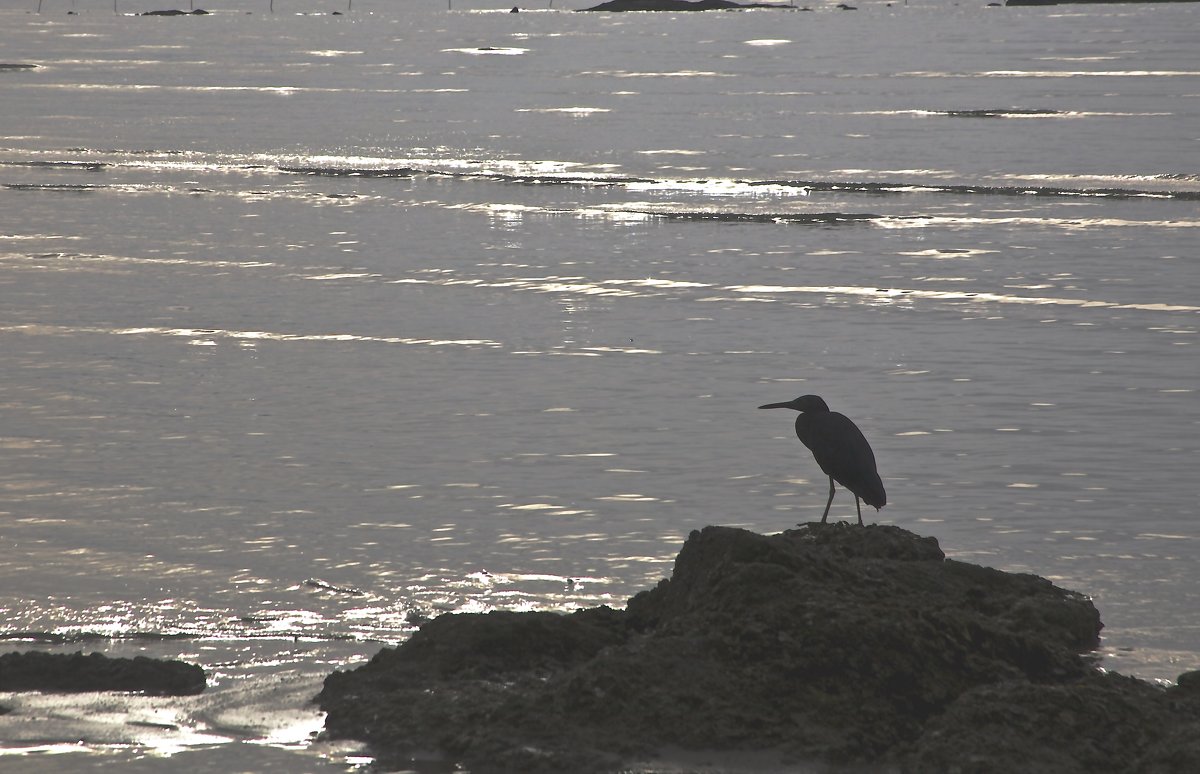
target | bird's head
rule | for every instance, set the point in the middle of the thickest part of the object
(812, 403)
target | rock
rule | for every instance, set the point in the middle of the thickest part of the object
(76, 673)
(1102, 722)
(1189, 683)
(616, 6)
(835, 643)
(445, 686)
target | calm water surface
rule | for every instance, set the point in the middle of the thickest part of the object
(314, 326)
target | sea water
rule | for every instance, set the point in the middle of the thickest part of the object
(314, 326)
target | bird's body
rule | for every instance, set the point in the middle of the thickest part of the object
(840, 449)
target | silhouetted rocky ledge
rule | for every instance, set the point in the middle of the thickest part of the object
(831, 643)
(616, 6)
(76, 673)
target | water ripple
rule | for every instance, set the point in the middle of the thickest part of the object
(206, 335)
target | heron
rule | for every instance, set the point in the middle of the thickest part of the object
(841, 450)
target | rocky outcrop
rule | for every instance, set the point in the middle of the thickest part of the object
(824, 643)
(77, 673)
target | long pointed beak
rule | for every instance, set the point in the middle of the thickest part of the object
(786, 404)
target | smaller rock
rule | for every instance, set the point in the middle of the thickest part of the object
(1102, 722)
(1189, 682)
(77, 673)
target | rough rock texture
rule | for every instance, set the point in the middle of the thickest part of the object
(1102, 723)
(829, 642)
(76, 673)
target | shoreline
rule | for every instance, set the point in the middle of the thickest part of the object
(282, 697)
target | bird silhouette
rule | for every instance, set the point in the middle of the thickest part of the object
(841, 451)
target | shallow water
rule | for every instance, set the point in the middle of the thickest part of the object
(315, 326)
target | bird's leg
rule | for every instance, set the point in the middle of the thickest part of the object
(858, 505)
(825, 516)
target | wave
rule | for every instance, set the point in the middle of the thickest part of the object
(648, 211)
(90, 166)
(72, 187)
(806, 218)
(483, 174)
(1165, 187)
(805, 186)
(707, 292)
(133, 152)
(82, 636)
(1052, 74)
(209, 336)
(793, 185)
(73, 637)
(351, 172)
(964, 189)
(1005, 113)
(163, 188)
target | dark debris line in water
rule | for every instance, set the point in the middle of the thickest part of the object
(832, 643)
(882, 188)
(811, 186)
(619, 6)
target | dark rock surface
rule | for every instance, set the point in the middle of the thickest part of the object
(616, 6)
(76, 673)
(175, 12)
(1102, 723)
(831, 643)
